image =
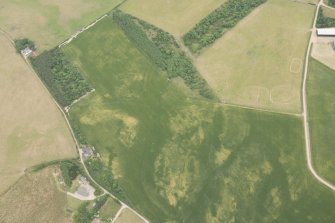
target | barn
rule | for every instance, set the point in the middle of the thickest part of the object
(325, 32)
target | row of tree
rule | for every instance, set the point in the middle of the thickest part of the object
(218, 22)
(103, 175)
(163, 50)
(63, 80)
(324, 21)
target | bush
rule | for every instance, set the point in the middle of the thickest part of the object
(63, 80)
(85, 215)
(163, 50)
(21, 44)
(218, 22)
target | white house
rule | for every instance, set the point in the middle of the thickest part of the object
(26, 52)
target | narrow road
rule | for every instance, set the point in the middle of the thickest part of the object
(305, 108)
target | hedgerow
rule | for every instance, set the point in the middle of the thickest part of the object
(323, 21)
(63, 80)
(163, 50)
(218, 22)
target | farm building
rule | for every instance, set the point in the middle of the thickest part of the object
(26, 52)
(326, 32)
(87, 151)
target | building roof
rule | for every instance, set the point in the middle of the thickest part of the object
(26, 51)
(326, 32)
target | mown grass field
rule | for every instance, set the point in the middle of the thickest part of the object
(32, 129)
(173, 16)
(321, 94)
(184, 160)
(49, 22)
(34, 198)
(259, 62)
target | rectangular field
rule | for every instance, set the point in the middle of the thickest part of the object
(34, 198)
(321, 97)
(185, 160)
(32, 129)
(173, 16)
(259, 62)
(49, 22)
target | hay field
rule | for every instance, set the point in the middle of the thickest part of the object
(32, 129)
(321, 97)
(180, 159)
(173, 16)
(34, 198)
(259, 62)
(49, 22)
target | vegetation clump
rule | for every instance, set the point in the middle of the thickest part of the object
(85, 214)
(21, 44)
(324, 21)
(103, 175)
(63, 80)
(218, 22)
(70, 169)
(163, 50)
(331, 3)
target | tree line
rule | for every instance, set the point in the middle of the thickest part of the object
(63, 80)
(163, 50)
(218, 22)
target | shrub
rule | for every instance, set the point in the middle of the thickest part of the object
(323, 21)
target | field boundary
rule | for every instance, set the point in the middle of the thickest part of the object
(75, 35)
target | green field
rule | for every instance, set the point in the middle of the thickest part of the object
(321, 98)
(49, 22)
(259, 62)
(185, 160)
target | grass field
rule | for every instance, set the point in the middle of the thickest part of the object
(173, 16)
(110, 208)
(184, 160)
(127, 216)
(321, 95)
(49, 22)
(32, 129)
(259, 62)
(34, 198)
(328, 12)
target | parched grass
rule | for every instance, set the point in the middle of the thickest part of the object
(49, 22)
(186, 160)
(321, 97)
(34, 198)
(128, 216)
(32, 129)
(259, 62)
(173, 16)
(328, 12)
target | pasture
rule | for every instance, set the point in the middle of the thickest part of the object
(259, 62)
(34, 198)
(49, 22)
(321, 96)
(180, 159)
(173, 16)
(32, 129)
